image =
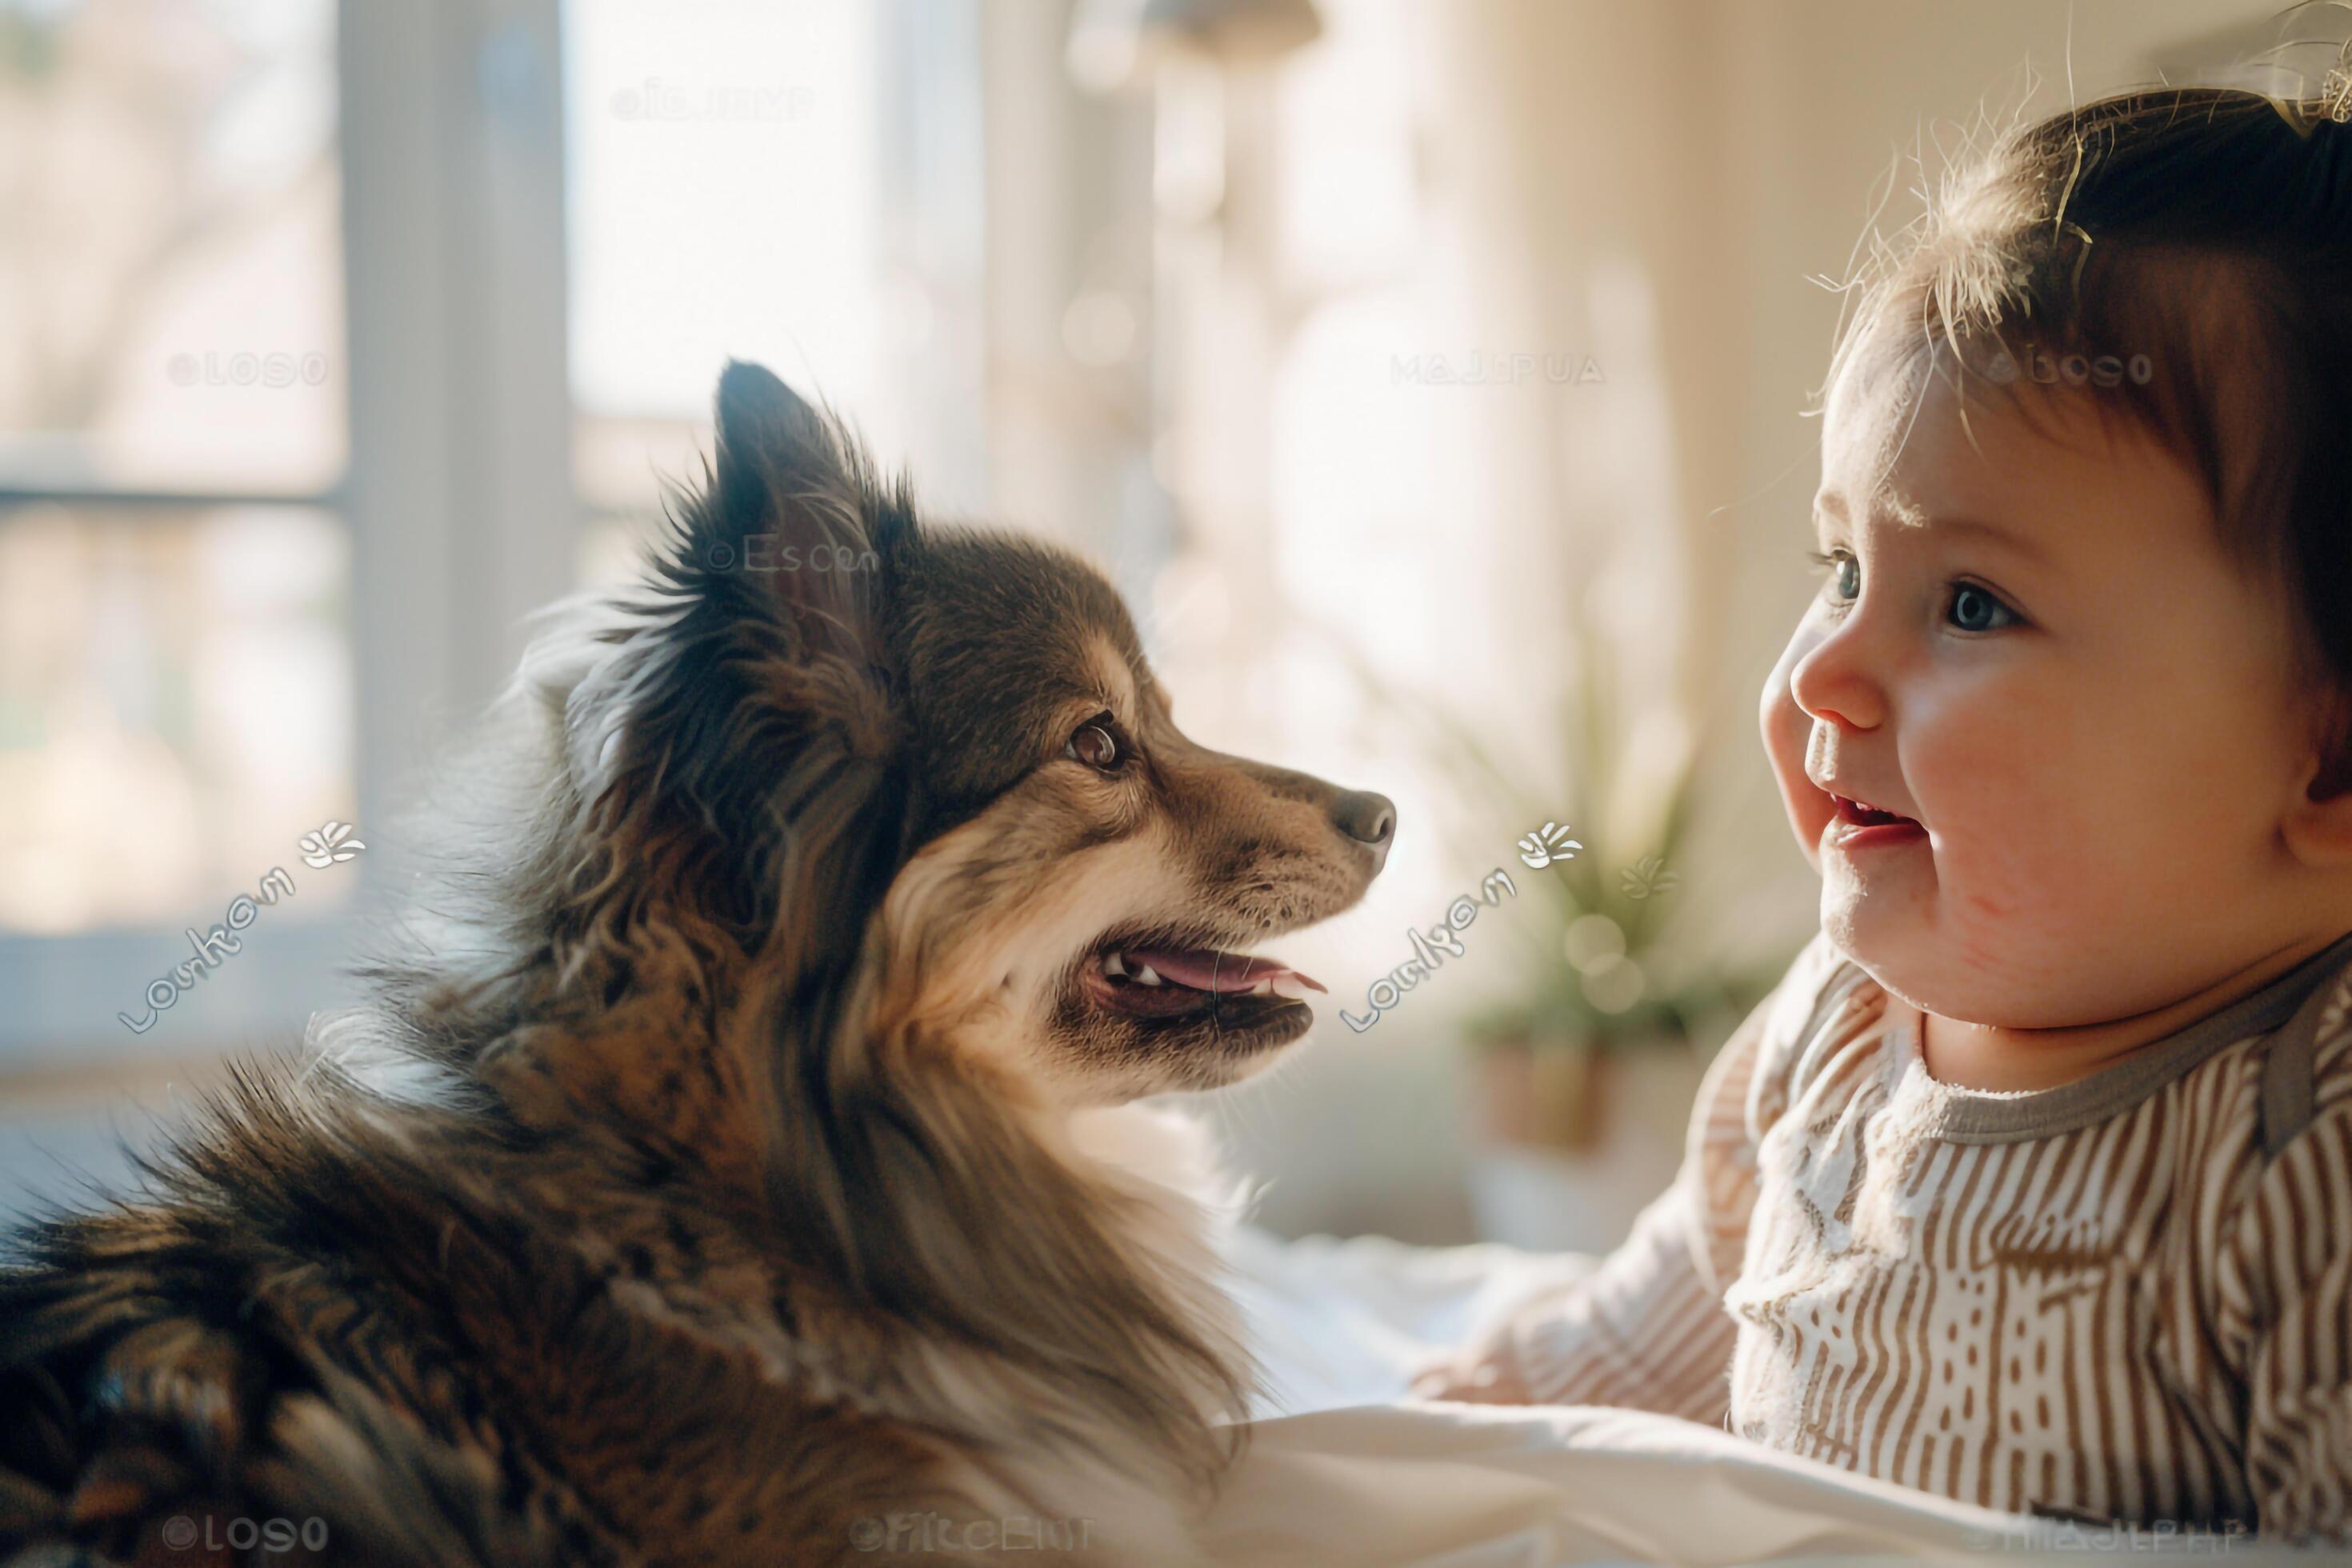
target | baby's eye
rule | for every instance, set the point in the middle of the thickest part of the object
(1968, 595)
(1840, 560)
(1969, 602)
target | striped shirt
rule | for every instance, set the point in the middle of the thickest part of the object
(2126, 1300)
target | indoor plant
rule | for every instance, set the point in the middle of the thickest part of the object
(1586, 1065)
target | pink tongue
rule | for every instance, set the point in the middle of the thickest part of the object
(1209, 971)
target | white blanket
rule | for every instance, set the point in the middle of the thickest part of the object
(1341, 1470)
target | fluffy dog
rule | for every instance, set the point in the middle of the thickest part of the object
(706, 1180)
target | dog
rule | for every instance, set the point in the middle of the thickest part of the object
(717, 1170)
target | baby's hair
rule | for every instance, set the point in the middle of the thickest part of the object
(2182, 257)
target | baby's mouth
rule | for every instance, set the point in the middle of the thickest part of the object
(1860, 816)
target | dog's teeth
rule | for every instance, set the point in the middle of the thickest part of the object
(1112, 963)
(1264, 987)
(1146, 975)
(1288, 986)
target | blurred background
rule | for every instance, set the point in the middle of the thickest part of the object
(1431, 374)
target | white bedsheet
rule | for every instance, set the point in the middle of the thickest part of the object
(1341, 1470)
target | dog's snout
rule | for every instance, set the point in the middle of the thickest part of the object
(1281, 807)
(1368, 818)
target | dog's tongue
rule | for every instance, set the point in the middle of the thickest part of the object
(1206, 969)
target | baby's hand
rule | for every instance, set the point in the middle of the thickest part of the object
(1484, 1372)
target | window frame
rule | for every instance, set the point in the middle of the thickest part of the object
(457, 496)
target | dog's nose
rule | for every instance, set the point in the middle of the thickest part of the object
(1366, 817)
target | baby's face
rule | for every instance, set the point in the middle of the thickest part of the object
(2086, 711)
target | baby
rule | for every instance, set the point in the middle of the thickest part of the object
(2031, 1184)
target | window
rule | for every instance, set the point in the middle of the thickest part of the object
(176, 683)
(739, 174)
(335, 338)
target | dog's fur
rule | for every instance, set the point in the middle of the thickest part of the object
(709, 1177)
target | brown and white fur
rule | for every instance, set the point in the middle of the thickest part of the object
(719, 1167)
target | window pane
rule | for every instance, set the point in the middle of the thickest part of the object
(170, 300)
(175, 709)
(722, 156)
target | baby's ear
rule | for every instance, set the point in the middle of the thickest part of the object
(2319, 819)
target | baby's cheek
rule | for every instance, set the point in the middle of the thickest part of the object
(1786, 731)
(2015, 858)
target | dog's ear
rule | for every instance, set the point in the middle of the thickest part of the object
(793, 520)
(761, 746)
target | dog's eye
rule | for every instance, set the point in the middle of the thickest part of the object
(1095, 746)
